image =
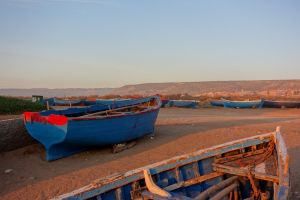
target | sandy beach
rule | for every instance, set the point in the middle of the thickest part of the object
(178, 131)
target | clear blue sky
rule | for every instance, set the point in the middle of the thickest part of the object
(108, 43)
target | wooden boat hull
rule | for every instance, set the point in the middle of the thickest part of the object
(182, 104)
(243, 104)
(63, 136)
(191, 176)
(281, 104)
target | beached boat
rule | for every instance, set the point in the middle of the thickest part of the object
(62, 102)
(182, 103)
(252, 168)
(219, 103)
(243, 104)
(281, 104)
(65, 132)
(164, 102)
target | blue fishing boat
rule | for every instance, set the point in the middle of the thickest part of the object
(243, 104)
(61, 102)
(218, 103)
(252, 168)
(281, 104)
(66, 132)
(182, 103)
(164, 102)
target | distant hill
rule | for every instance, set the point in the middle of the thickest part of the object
(55, 92)
(270, 87)
(200, 88)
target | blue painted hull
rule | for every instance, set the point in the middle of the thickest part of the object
(89, 103)
(281, 104)
(243, 104)
(218, 103)
(164, 102)
(182, 104)
(188, 176)
(63, 136)
(50, 101)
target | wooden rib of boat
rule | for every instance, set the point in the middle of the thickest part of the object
(243, 104)
(65, 132)
(281, 104)
(252, 168)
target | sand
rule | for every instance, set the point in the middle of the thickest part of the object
(178, 131)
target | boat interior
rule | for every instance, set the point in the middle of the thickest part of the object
(105, 110)
(245, 173)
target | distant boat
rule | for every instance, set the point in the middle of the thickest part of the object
(281, 104)
(182, 103)
(219, 103)
(164, 102)
(66, 132)
(50, 101)
(243, 104)
(63, 102)
(251, 168)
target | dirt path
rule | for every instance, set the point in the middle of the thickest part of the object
(178, 131)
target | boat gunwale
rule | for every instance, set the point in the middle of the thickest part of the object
(81, 118)
(112, 116)
(109, 182)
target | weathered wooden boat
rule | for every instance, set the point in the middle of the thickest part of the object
(251, 168)
(182, 103)
(218, 103)
(63, 102)
(281, 104)
(243, 104)
(66, 132)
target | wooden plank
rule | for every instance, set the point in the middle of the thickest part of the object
(244, 172)
(193, 181)
(239, 156)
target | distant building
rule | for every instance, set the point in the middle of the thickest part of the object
(37, 98)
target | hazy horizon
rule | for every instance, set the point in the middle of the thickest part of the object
(108, 44)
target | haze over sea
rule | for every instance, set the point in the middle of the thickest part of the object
(109, 43)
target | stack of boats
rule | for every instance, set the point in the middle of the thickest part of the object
(252, 168)
(255, 104)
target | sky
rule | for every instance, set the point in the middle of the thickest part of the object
(110, 43)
